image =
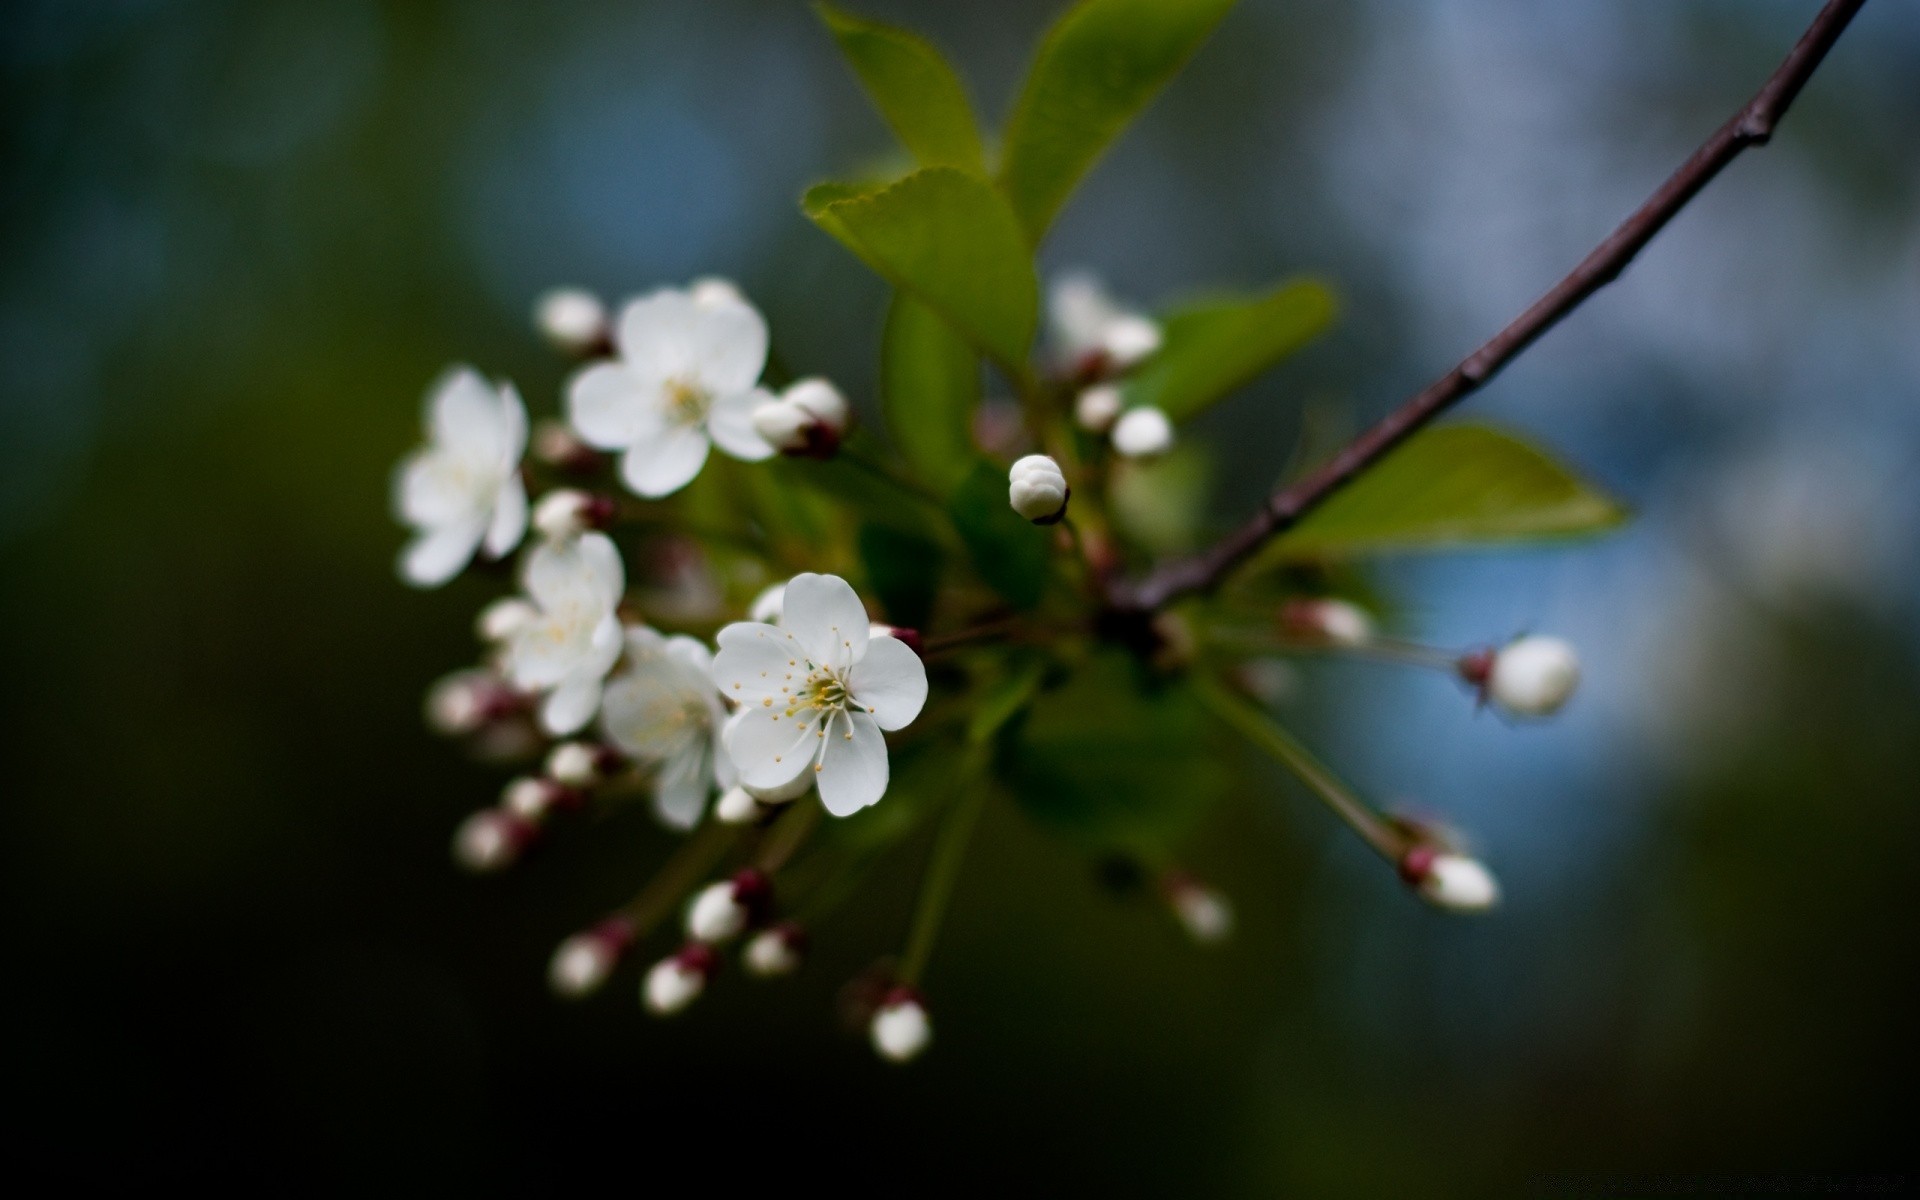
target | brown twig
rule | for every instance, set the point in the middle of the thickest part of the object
(1753, 125)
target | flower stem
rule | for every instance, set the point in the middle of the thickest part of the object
(1264, 733)
(689, 865)
(949, 851)
(1379, 649)
(787, 834)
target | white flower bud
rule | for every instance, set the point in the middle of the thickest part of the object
(810, 417)
(1142, 433)
(1129, 338)
(774, 952)
(784, 425)
(531, 798)
(676, 982)
(556, 444)
(1096, 408)
(716, 914)
(901, 1029)
(574, 321)
(564, 513)
(736, 806)
(490, 840)
(1533, 676)
(461, 702)
(1206, 914)
(711, 291)
(575, 764)
(502, 619)
(823, 401)
(1451, 881)
(583, 962)
(767, 605)
(1335, 622)
(1037, 490)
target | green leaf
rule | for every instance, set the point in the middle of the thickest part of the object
(903, 571)
(1115, 758)
(929, 387)
(915, 90)
(1098, 67)
(872, 499)
(1453, 485)
(1003, 700)
(1218, 346)
(951, 240)
(1009, 551)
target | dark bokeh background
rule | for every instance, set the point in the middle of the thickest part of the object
(237, 240)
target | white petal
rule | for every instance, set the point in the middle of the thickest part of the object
(853, 764)
(694, 660)
(437, 556)
(731, 423)
(666, 462)
(684, 783)
(720, 343)
(435, 487)
(513, 425)
(465, 413)
(1078, 309)
(572, 704)
(890, 682)
(580, 573)
(770, 749)
(509, 522)
(605, 574)
(754, 662)
(825, 614)
(725, 775)
(613, 406)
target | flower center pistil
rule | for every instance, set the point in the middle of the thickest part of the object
(687, 401)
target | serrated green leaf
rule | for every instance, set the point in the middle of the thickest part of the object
(1009, 552)
(1114, 758)
(918, 94)
(1097, 68)
(903, 572)
(1454, 485)
(1216, 347)
(929, 387)
(952, 241)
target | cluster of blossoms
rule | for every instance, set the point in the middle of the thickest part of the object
(686, 627)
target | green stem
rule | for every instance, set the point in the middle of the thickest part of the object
(788, 834)
(689, 865)
(1378, 649)
(1264, 733)
(949, 852)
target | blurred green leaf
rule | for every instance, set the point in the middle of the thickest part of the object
(1115, 759)
(903, 571)
(1003, 700)
(1161, 502)
(950, 239)
(1009, 551)
(872, 499)
(1097, 68)
(917, 93)
(1449, 486)
(1216, 347)
(929, 386)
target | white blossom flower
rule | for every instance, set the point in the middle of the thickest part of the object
(1096, 408)
(1533, 676)
(571, 319)
(661, 708)
(1088, 325)
(568, 648)
(776, 951)
(686, 378)
(1142, 432)
(901, 1028)
(815, 693)
(809, 417)
(1037, 489)
(462, 490)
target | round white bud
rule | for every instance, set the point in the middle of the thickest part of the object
(783, 425)
(503, 618)
(1129, 338)
(571, 319)
(711, 291)
(901, 1030)
(1335, 622)
(1533, 676)
(767, 605)
(575, 764)
(1142, 433)
(772, 952)
(582, 963)
(1096, 408)
(671, 985)
(716, 914)
(1037, 490)
(489, 840)
(458, 704)
(823, 401)
(528, 798)
(1459, 883)
(736, 807)
(562, 514)
(1206, 915)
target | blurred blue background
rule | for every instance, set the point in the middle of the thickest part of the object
(239, 239)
